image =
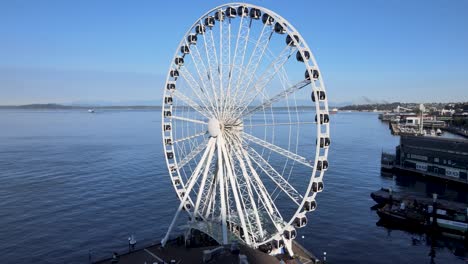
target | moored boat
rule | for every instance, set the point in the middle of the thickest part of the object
(421, 213)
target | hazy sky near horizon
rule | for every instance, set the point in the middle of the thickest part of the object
(119, 51)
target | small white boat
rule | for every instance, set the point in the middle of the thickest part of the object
(439, 132)
(91, 111)
(334, 111)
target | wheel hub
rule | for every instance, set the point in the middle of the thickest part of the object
(214, 127)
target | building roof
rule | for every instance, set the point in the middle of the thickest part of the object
(459, 146)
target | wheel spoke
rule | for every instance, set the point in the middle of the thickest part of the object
(213, 66)
(203, 75)
(281, 182)
(254, 61)
(236, 70)
(262, 192)
(202, 184)
(222, 192)
(281, 124)
(247, 182)
(202, 110)
(188, 120)
(240, 209)
(276, 98)
(192, 154)
(195, 87)
(250, 95)
(193, 178)
(190, 137)
(279, 150)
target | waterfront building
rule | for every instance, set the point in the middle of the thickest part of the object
(443, 158)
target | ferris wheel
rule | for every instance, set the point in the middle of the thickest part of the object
(245, 127)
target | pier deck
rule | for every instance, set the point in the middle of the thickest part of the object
(180, 254)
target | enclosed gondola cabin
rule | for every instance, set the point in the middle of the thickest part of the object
(267, 19)
(325, 142)
(201, 29)
(168, 100)
(192, 39)
(167, 127)
(310, 206)
(181, 192)
(301, 58)
(242, 11)
(279, 28)
(170, 155)
(290, 233)
(209, 21)
(322, 165)
(266, 248)
(170, 86)
(179, 61)
(255, 13)
(324, 119)
(231, 12)
(317, 186)
(173, 169)
(168, 141)
(300, 221)
(321, 95)
(185, 49)
(167, 113)
(176, 181)
(290, 40)
(315, 75)
(174, 73)
(277, 243)
(219, 15)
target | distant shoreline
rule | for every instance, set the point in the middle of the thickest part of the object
(78, 107)
(69, 107)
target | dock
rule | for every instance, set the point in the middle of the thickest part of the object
(382, 196)
(176, 252)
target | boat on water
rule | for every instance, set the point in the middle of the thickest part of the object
(334, 111)
(421, 213)
(407, 217)
(91, 111)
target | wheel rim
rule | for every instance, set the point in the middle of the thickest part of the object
(227, 76)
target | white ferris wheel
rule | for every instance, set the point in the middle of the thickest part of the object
(245, 127)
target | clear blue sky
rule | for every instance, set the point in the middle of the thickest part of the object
(104, 51)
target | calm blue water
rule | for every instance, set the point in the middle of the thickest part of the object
(72, 183)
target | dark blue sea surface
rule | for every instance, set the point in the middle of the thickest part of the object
(74, 185)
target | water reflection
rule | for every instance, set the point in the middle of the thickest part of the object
(433, 242)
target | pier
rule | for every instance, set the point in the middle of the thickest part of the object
(441, 158)
(176, 252)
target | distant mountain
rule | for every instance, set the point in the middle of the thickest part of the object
(95, 103)
(38, 106)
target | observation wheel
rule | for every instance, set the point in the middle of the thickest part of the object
(245, 127)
